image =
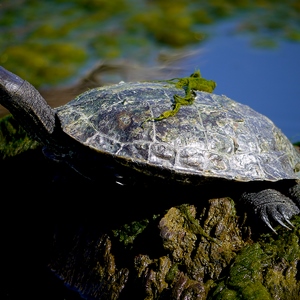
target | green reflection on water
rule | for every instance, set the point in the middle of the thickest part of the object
(54, 39)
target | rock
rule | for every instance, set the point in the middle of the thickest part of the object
(196, 255)
(112, 242)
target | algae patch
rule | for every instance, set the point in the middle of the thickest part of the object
(127, 233)
(190, 84)
(245, 277)
(267, 269)
(13, 139)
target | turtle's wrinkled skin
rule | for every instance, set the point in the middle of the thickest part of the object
(213, 138)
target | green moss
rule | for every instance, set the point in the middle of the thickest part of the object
(267, 269)
(195, 82)
(172, 273)
(283, 256)
(128, 232)
(193, 224)
(13, 139)
(192, 83)
(245, 277)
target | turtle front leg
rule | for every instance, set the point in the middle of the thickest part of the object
(272, 203)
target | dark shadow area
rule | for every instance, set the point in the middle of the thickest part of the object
(46, 206)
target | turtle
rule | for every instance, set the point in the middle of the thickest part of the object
(125, 128)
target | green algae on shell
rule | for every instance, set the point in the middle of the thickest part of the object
(190, 84)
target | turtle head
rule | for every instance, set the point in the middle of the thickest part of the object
(27, 106)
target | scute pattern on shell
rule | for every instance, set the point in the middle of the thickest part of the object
(214, 137)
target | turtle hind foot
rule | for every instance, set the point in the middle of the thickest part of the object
(294, 192)
(271, 203)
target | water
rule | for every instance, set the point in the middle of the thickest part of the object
(268, 80)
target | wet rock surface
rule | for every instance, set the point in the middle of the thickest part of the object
(182, 254)
(194, 258)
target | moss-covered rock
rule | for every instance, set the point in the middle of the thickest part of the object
(267, 269)
(13, 139)
(91, 268)
(196, 255)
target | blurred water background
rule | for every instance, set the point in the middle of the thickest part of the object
(63, 47)
(250, 48)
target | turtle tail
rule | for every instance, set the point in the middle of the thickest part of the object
(27, 106)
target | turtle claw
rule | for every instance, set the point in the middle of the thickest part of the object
(290, 223)
(276, 216)
(281, 223)
(279, 215)
(267, 222)
(287, 216)
(272, 203)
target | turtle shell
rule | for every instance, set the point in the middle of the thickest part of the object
(214, 137)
